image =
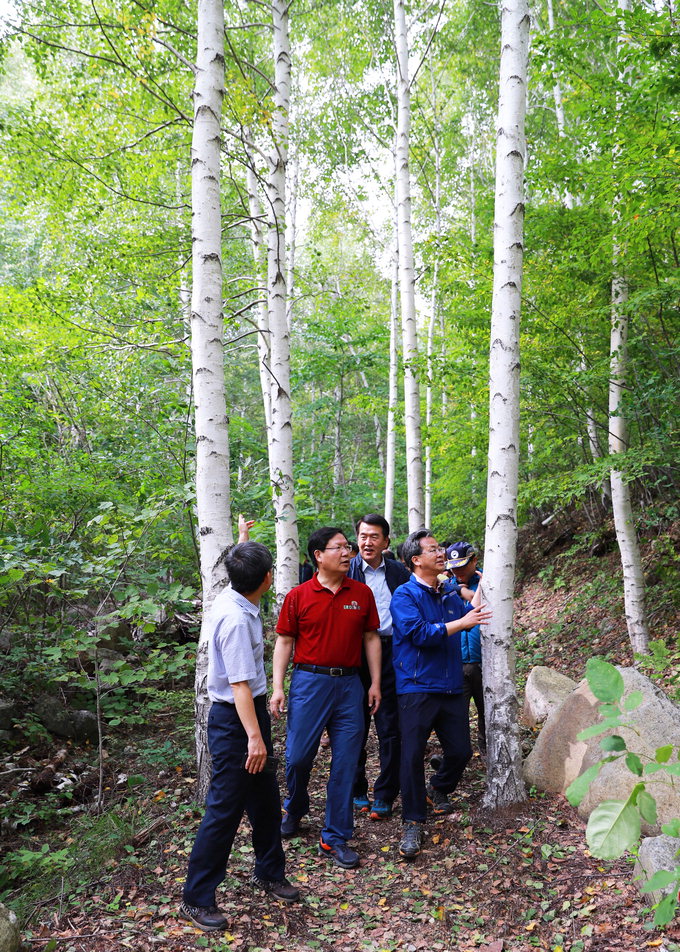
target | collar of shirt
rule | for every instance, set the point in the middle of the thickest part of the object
(369, 568)
(243, 602)
(435, 591)
(322, 588)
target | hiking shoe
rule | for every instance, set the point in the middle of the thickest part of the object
(438, 800)
(208, 918)
(436, 762)
(362, 804)
(341, 854)
(290, 825)
(278, 888)
(411, 839)
(381, 810)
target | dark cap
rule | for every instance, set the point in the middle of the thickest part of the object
(459, 554)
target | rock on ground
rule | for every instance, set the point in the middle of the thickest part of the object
(656, 853)
(544, 692)
(558, 757)
(9, 930)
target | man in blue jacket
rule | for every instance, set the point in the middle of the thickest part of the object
(383, 576)
(461, 559)
(429, 679)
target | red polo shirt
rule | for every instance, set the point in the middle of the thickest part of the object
(328, 627)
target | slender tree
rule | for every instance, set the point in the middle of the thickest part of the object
(212, 436)
(622, 507)
(504, 776)
(414, 449)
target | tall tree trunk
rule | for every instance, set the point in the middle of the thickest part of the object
(213, 502)
(505, 784)
(281, 443)
(622, 507)
(393, 391)
(263, 349)
(434, 302)
(414, 449)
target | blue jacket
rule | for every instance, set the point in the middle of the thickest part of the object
(470, 641)
(426, 659)
(396, 573)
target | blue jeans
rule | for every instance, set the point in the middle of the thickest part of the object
(386, 727)
(447, 716)
(232, 792)
(316, 701)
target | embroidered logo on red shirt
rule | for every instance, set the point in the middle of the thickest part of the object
(353, 606)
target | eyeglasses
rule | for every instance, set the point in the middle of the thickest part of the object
(337, 548)
(433, 549)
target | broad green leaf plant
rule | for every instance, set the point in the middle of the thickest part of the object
(615, 826)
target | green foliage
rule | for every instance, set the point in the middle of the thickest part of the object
(614, 826)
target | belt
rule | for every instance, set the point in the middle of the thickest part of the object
(320, 669)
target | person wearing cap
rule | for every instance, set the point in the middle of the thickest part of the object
(461, 560)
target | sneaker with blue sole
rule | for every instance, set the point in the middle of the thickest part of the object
(362, 804)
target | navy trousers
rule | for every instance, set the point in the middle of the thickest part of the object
(447, 716)
(233, 792)
(386, 719)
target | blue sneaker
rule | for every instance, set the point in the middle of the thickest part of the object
(381, 810)
(341, 854)
(362, 804)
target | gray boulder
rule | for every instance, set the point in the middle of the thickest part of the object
(558, 757)
(656, 853)
(78, 725)
(544, 692)
(9, 930)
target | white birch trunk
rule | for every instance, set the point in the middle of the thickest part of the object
(291, 229)
(505, 784)
(212, 442)
(263, 351)
(281, 443)
(414, 449)
(434, 302)
(393, 392)
(622, 507)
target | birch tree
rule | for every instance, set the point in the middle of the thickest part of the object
(504, 775)
(212, 438)
(281, 430)
(622, 507)
(414, 450)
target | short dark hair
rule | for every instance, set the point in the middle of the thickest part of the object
(320, 538)
(375, 519)
(412, 546)
(247, 564)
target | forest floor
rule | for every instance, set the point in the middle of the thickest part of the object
(521, 881)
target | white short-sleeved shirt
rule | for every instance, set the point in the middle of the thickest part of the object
(235, 647)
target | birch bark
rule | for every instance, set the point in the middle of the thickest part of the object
(622, 507)
(393, 392)
(212, 440)
(281, 430)
(414, 449)
(505, 784)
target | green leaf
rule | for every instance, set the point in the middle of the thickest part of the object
(633, 700)
(660, 879)
(665, 911)
(615, 742)
(613, 828)
(634, 764)
(604, 680)
(578, 788)
(663, 754)
(596, 729)
(646, 804)
(672, 828)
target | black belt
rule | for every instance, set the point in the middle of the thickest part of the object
(320, 669)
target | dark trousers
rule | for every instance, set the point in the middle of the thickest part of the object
(474, 688)
(234, 791)
(386, 727)
(447, 716)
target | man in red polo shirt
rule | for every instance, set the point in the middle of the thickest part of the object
(325, 622)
